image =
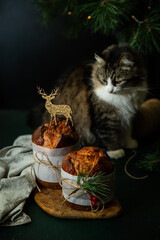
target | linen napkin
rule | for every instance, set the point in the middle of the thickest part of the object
(16, 181)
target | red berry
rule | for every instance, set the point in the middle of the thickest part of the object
(94, 198)
(94, 204)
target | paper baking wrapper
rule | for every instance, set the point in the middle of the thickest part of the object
(82, 198)
(55, 156)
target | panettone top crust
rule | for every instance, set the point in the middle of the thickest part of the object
(91, 159)
(55, 136)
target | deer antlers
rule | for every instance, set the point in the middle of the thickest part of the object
(55, 92)
(44, 95)
(40, 91)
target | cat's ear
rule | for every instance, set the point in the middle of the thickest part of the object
(99, 59)
(127, 61)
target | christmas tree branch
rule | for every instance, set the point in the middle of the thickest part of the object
(137, 22)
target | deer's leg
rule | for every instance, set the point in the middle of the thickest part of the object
(55, 119)
(51, 119)
(66, 116)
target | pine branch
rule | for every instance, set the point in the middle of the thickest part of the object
(146, 36)
(151, 161)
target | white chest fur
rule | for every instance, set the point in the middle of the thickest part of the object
(126, 103)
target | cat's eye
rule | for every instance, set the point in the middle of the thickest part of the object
(120, 82)
(124, 70)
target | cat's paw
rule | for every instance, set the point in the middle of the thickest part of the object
(116, 153)
(132, 144)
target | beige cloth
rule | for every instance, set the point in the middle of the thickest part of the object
(16, 182)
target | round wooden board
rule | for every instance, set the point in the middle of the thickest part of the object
(50, 200)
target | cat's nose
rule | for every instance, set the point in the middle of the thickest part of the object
(110, 90)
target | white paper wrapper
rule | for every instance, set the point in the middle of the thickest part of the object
(82, 198)
(55, 156)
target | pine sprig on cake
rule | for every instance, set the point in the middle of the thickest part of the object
(96, 186)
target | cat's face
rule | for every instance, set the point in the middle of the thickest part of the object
(116, 70)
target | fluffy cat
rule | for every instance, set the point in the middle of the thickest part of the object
(104, 96)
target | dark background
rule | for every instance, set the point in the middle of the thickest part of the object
(32, 55)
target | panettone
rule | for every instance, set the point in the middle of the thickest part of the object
(53, 142)
(55, 136)
(90, 160)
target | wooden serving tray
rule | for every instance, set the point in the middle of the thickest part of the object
(50, 200)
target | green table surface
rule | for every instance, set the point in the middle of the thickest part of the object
(140, 200)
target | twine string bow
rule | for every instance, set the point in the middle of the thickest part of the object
(47, 163)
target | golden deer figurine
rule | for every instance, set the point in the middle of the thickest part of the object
(54, 109)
